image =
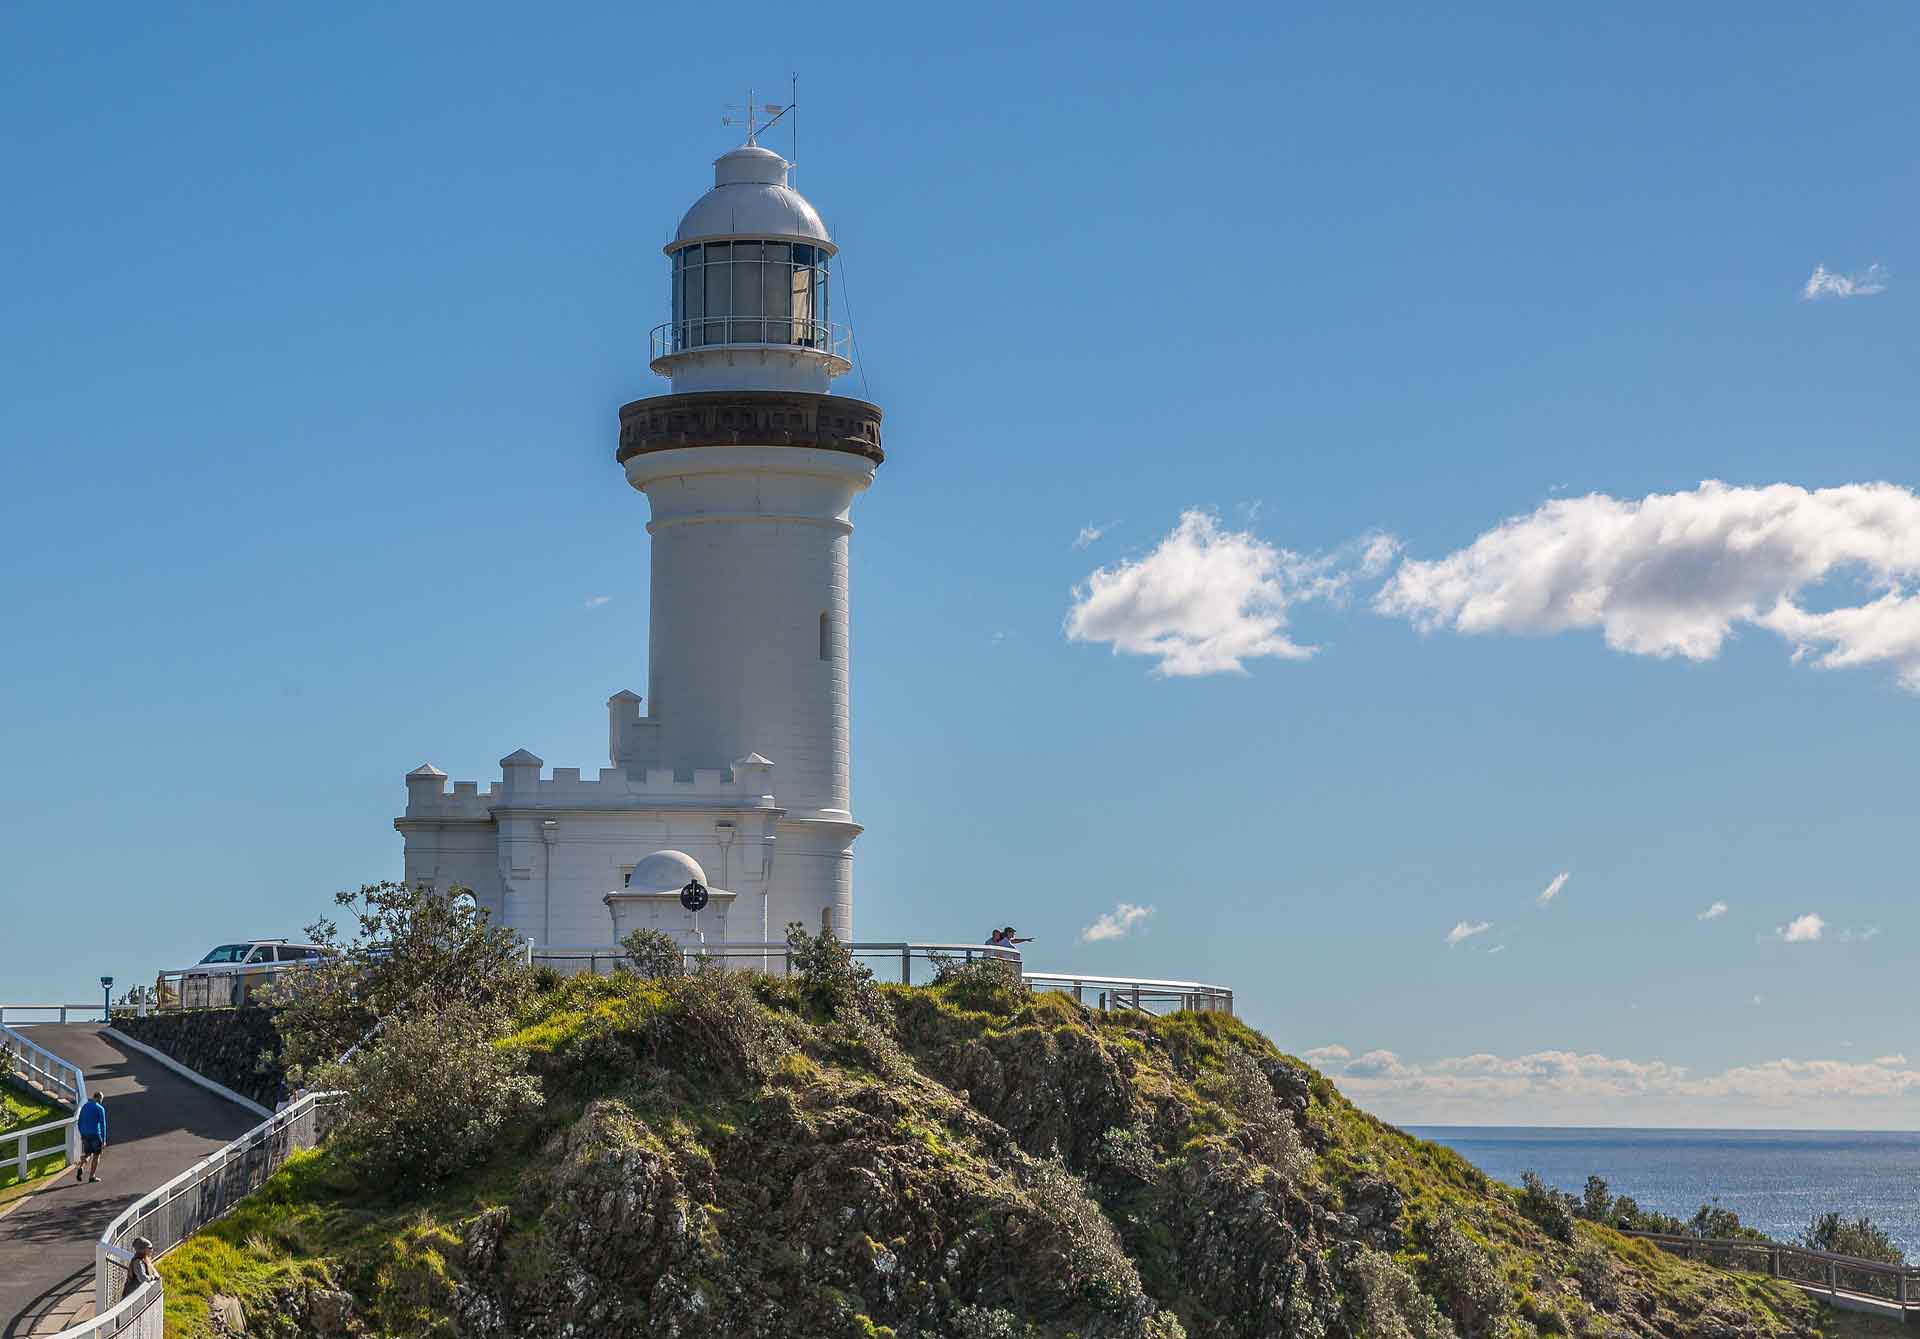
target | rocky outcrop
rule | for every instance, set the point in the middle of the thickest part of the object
(239, 1048)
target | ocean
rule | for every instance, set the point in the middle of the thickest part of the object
(1776, 1180)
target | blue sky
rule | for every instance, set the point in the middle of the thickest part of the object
(318, 322)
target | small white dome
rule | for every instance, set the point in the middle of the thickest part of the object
(665, 872)
(751, 198)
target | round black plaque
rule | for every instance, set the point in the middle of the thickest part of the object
(694, 895)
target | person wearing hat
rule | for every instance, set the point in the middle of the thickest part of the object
(140, 1270)
(1008, 938)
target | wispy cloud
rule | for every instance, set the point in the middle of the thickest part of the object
(1805, 929)
(1465, 930)
(1208, 599)
(595, 601)
(1115, 924)
(1824, 283)
(1552, 890)
(1090, 534)
(1674, 574)
(1497, 948)
(1545, 1087)
(1862, 935)
(1326, 1055)
(1713, 913)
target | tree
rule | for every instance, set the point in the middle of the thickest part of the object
(1596, 1202)
(411, 946)
(1550, 1210)
(405, 1020)
(654, 954)
(1862, 1237)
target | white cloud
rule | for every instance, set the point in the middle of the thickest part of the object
(1552, 1087)
(1497, 948)
(1090, 534)
(1675, 574)
(1805, 929)
(1465, 930)
(1325, 1055)
(1758, 1000)
(1713, 913)
(1206, 600)
(1552, 890)
(595, 601)
(1115, 924)
(1862, 935)
(1824, 283)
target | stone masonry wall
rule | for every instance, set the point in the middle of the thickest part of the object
(226, 1045)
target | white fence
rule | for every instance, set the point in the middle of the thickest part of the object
(911, 964)
(50, 1013)
(61, 1080)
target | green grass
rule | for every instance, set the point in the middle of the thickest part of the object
(21, 1109)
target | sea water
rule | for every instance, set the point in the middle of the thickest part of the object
(1776, 1180)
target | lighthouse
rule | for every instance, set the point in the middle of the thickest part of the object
(735, 769)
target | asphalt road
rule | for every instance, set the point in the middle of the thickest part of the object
(158, 1125)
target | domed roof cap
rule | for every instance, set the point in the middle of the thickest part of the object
(751, 198)
(665, 872)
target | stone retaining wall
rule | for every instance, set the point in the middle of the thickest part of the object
(226, 1045)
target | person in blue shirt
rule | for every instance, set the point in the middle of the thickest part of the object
(93, 1137)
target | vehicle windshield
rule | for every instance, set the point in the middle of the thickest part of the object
(228, 953)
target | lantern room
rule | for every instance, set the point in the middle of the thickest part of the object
(752, 286)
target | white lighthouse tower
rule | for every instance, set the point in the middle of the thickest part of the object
(739, 768)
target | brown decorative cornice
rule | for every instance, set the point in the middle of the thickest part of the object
(750, 418)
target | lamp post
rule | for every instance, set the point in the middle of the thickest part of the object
(106, 999)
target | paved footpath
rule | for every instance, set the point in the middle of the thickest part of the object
(158, 1125)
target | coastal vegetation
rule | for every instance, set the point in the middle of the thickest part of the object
(729, 1153)
(21, 1108)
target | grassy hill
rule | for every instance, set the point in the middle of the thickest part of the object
(726, 1155)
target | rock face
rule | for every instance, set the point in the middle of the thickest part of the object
(236, 1047)
(962, 1173)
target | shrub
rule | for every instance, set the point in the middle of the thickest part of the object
(654, 954)
(1593, 1269)
(831, 981)
(1243, 1086)
(1129, 1150)
(1547, 1208)
(981, 1322)
(990, 985)
(1862, 1237)
(715, 1022)
(1714, 1221)
(1383, 1302)
(431, 1098)
(1462, 1275)
(1099, 1265)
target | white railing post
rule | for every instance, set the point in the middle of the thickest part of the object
(906, 964)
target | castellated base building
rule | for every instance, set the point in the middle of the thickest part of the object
(736, 775)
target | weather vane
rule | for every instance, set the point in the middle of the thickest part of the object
(759, 117)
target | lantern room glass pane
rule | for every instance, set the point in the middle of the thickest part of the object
(748, 301)
(778, 287)
(802, 300)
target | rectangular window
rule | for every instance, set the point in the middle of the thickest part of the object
(719, 300)
(826, 636)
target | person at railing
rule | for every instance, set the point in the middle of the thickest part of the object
(1011, 940)
(140, 1271)
(92, 1127)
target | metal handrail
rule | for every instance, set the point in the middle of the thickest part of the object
(1905, 1279)
(202, 1194)
(141, 1316)
(62, 1009)
(695, 333)
(1146, 994)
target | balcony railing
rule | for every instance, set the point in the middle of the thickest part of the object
(834, 342)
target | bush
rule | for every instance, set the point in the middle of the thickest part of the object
(831, 981)
(429, 1100)
(1243, 1086)
(1099, 1265)
(990, 985)
(1129, 1150)
(1547, 1208)
(1462, 1275)
(1861, 1237)
(1712, 1221)
(715, 1022)
(1383, 1302)
(654, 954)
(1593, 1269)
